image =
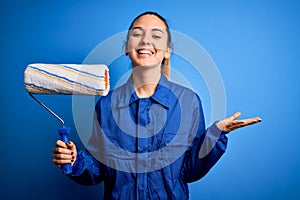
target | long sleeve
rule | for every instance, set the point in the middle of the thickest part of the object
(207, 148)
(176, 150)
(86, 170)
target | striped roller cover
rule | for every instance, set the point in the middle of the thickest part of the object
(79, 79)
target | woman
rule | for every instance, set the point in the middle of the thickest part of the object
(149, 139)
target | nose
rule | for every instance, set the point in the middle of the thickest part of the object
(146, 39)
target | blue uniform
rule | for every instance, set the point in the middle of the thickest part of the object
(149, 148)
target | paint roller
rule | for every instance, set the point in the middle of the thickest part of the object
(66, 79)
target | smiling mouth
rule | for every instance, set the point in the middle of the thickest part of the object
(145, 52)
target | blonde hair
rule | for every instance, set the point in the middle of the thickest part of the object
(166, 67)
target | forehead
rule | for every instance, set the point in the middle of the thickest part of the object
(149, 21)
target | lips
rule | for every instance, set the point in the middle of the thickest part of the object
(145, 52)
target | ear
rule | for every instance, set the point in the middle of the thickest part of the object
(167, 53)
(126, 49)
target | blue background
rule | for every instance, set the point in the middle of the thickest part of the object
(255, 45)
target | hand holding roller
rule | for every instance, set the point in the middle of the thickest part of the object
(67, 79)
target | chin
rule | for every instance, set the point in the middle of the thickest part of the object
(147, 65)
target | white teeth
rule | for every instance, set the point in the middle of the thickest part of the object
(144, 52)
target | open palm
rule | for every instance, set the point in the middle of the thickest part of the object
(232, 123)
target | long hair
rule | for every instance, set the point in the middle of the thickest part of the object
(165, 65)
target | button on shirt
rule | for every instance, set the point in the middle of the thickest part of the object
(149, 148)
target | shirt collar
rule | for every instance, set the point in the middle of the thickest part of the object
(161, 94)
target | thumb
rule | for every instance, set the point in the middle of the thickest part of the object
(234, 116)
(71, 146)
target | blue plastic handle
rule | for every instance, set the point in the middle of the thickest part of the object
(64, 133)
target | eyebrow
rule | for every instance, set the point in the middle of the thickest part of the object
(153, 29)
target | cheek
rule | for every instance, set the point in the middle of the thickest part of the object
(157, 44)
(160, 45)
(131, 44)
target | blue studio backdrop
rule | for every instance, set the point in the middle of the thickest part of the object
(254, 44)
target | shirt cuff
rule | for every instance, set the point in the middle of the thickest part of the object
(215, 132)
(76, 168)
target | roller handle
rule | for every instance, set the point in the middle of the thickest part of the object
(64, 133)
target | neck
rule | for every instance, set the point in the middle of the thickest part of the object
(145, 81)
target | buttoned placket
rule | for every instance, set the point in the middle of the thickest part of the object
(142, 144)
(140, 108)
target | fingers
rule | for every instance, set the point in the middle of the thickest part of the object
(64, 153)
(235, 116)
(251, 121)
(62, 144)
(233, 125)
(229, 123)
(59, 159)
(257, 119)
(71, 145)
